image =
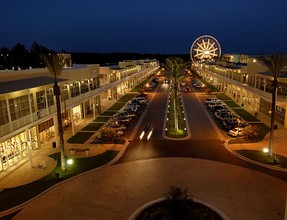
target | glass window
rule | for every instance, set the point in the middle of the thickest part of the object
(4, 119)
(41, 100)
(75, 89)
(50, 97)
(64, 93)
(84, 86)
(19, 107)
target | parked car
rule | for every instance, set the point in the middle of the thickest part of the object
(134, 102)
(218, 112)
(208, 100)
(140, 99)
(227, 125)
(236, 132)
(122, 119)
(217, 107)
(132, 106)
(117, 126)
(120, 132)
(214, 103)
(142, 95)
(128, 113)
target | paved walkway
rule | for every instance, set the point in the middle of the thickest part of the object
(118, 191)
(110, 190)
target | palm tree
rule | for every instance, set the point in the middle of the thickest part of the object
(175, 67)
(275, 63)
(55, 64)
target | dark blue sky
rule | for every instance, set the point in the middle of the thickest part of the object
(151, 26)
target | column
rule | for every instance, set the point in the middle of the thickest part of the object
(28, 138)
(94, 109)
(84, 110)
(72, 121)
(30, 106)
(9, 114)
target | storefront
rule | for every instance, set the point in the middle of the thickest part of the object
(46, 131)
(77, 114)
(16, 148)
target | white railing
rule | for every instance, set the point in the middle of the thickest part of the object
(48, 112)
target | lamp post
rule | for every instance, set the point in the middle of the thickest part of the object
(5, 59)
(238, 125)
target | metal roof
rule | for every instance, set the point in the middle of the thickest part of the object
(16, 85)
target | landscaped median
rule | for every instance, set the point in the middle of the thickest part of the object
(171, 130)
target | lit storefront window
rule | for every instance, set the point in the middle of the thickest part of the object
(16, 148)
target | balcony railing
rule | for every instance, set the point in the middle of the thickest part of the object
(47, 112)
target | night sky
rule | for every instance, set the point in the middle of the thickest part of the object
(150, 26)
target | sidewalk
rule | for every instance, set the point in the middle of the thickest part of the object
(279, 142)
(22, 173)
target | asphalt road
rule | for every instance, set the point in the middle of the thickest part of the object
(205, 141)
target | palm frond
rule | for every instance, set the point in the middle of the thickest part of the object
(54, 63)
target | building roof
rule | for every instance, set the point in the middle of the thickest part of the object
(16, 85)
(268, 73)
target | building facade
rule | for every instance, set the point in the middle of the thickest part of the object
(28, 107)
(249, 85)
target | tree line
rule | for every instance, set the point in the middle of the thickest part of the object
(19, 57)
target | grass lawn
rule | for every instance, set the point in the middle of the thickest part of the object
(245, 115)
(101, 119)
(139, 86)
(126, 98)
(117, 106)
(210, 87)
(262, 157)
(109, 113)
(80, 137)
(15, 196)
(231, 103)
(93, 126)
(223, 97)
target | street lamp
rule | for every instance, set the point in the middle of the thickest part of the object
(238, 125)
(5, 59)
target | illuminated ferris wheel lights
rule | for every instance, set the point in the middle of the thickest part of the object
(205, 48)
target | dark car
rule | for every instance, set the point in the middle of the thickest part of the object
(142, 95)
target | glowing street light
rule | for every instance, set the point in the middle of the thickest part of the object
(5, 59)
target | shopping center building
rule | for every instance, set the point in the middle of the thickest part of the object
(248, 82)
(28, 107)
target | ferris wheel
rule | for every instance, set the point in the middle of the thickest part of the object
(205, 48)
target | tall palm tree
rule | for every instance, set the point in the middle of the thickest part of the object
(175, 67)
(275, 63)
(55, 64)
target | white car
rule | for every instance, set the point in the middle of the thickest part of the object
(208, 100)
(120, 132)
(236, 132)
(140, 99)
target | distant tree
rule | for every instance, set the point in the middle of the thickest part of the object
(5, 58)
(275, 63)
(55, 63)
(20, 55)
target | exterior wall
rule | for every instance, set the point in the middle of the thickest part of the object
(248, 87)
(86, 92)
